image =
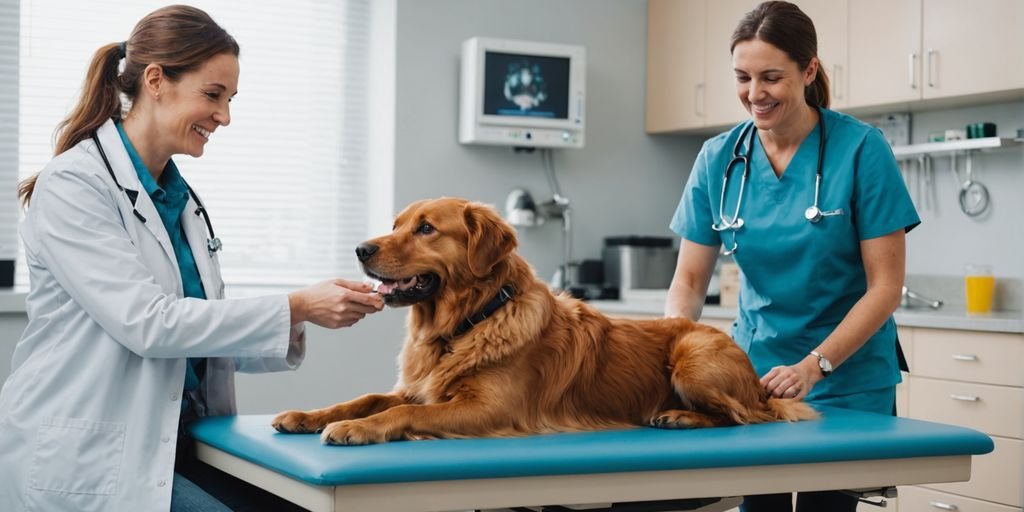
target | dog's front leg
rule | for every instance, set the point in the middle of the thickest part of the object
(306, 422)
(430, 421)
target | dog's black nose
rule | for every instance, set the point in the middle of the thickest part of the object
(365, 251)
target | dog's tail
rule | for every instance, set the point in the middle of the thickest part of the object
(788, 409)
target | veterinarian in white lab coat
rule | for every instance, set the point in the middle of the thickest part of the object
(120, 344)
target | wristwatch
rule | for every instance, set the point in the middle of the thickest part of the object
(823, 363)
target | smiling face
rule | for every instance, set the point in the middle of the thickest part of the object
(771, 85)
(193, 107)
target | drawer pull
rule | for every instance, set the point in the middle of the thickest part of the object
(965, 357)
(943, 506)
(964, 398)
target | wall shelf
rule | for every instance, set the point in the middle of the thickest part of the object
(953, 146)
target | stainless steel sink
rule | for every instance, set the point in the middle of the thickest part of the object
(911, 300)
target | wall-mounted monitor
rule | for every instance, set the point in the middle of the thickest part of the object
(522, 93)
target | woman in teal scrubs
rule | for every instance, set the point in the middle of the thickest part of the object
(817, 290)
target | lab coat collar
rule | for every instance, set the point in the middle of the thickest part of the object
(124, 170)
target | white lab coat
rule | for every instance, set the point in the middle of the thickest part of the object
(89, 414)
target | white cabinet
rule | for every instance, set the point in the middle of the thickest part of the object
(721, 104)
(876, 53)
(675, 64)
(972, 379)
(972, 47)
(908, 50)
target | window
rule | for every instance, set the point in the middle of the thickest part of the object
(286, 184)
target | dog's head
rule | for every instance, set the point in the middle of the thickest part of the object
(436, 244)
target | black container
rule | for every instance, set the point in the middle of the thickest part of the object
(981, 130)
(6, 273)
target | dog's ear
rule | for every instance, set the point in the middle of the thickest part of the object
(491, 239)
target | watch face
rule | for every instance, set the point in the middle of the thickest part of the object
(825, 365)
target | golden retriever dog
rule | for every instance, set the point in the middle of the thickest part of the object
(490, 351)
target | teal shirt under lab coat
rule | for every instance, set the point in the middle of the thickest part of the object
(798, 279)
(169, 197)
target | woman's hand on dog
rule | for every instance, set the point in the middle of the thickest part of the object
(792, 381)
(334, 303)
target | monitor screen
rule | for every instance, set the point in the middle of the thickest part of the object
(518, 85)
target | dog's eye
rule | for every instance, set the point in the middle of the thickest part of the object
(425, 229)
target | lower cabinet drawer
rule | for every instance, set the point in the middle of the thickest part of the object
(917, 499)
(991, 409)
(995, 476)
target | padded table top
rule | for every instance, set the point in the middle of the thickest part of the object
(841, 435)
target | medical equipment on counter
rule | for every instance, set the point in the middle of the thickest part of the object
(213, 243)
(813, 213)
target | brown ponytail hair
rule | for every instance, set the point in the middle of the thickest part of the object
(179, 38)
(784, 26)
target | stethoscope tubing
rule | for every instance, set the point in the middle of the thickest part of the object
(213, 243)
(813, 213)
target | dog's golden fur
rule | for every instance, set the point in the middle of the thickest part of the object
(541, 363)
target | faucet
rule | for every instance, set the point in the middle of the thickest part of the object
(909, 297)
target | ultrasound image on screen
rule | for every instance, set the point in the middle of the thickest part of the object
(526, 85)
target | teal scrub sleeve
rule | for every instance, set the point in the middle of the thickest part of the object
(693, 219)
(882, 203)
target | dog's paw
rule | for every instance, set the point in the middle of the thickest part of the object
(297, 422)
(352, 432)
(675, 419)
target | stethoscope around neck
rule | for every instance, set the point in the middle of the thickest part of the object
(813, 213)
(213, 243)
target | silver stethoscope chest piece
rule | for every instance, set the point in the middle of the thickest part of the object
(813, 213)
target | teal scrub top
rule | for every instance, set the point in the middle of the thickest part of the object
(798, 280)
(170, 197)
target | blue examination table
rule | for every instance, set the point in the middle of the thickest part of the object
(843, 450)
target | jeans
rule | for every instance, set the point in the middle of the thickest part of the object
(189, 497)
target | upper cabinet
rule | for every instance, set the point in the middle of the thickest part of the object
(675, 64)
(690, 78)
(931, 49)
(876, 53)
(972, 47)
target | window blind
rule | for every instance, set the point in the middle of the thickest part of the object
(286, 183)
(9, 30)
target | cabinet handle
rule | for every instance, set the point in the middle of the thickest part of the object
(698, 101)
(913, 68)
(943, 506)
(965, 357)
(965, 398)
(931, 67)
(837, 88)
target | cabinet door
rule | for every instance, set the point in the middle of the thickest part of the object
(972, 47)
(721, 103)
(675, 64)
(830, 22)
(885, 59)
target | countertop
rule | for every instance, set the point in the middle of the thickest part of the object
(12, 300)
(942, 318)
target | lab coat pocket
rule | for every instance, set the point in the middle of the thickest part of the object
(77, 456)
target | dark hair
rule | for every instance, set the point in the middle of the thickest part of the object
(179, 38)
(784, 26)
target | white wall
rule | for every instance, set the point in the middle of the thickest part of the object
(947, 239)
(622, 182)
